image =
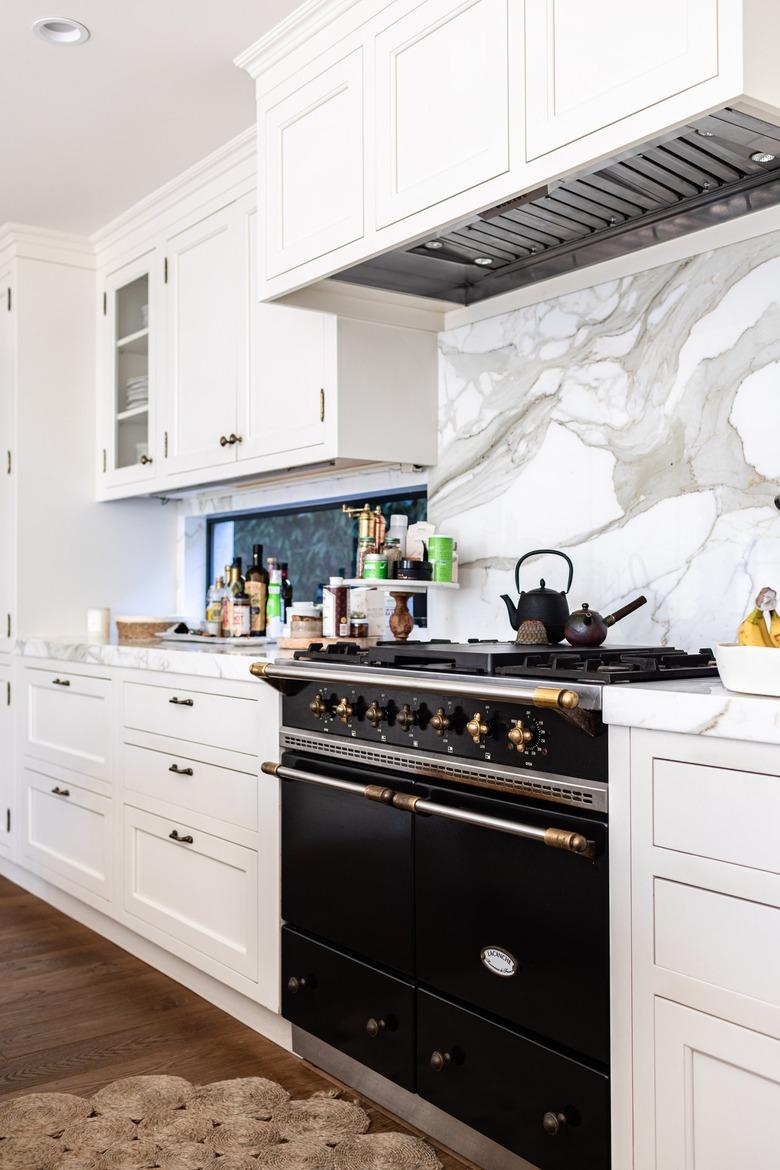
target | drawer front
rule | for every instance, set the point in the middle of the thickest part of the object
(67, 830)
(504, 1085)
(191, 784)
(69, 721)
(719, 813)
(727, 942)
(202, 891)
(361, 1011)
(217, 720)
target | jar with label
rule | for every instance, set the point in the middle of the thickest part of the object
(334, 608)
(392, 551)
(375, 567)
(305, 620)
(358, 626)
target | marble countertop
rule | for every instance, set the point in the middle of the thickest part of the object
(694, 706)
(227, 662)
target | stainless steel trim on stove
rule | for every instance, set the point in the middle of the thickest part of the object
(591, 794)
(536, 693)
(569, 842)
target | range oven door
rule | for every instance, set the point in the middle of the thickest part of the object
(512, 927)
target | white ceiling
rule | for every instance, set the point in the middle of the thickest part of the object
(87, 130)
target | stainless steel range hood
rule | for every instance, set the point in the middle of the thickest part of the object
(715, 169)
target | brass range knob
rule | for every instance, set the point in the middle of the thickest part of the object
(440, 722)
(317, 706)
(406, 717)
(375, 1027)
(440, 1060)
(553, 1123)
(477, 728)
(375, 714)
(519, 735)
(344, 710)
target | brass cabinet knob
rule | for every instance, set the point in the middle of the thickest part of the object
(440, 722)
(145, 459)
(317, 707)
(294, 985)
(553, 1123)
(375, 714)
(223, 440)
(519, 735)
(440, 1060)
(344, 709)
(477, 728)
(375, 1027)
(406, 717)
(235, 439)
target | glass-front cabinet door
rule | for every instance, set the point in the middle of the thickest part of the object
(128, 452)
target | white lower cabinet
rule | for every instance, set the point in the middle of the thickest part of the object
(6, 760)
(717, 1093)
(192, 892)
(66, 832)
(199, 716)
(68, 720)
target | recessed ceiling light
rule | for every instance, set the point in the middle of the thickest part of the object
(483, 261)
(762, 156)
(60, 30)
(704, 133)
(434, 245)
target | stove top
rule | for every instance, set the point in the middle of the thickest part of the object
(602, 664)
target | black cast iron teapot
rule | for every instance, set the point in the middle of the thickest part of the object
(544, 605)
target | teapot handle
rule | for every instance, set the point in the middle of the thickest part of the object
(554, 552)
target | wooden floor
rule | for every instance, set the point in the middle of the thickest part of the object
(77, 1012)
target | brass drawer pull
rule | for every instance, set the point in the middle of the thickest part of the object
(230, 440)
(145, 459)
(294, 985)
(375, 1027)
(440, 1060)
(57, 791)
(174, 836)
(181, 771)
(61, 682)
(182, 702)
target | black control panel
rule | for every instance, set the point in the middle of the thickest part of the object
(485, 731)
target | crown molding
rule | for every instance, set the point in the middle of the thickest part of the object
(21, 241)
(303, 23)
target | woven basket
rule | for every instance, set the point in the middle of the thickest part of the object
(35, 1152)
(97, 1133)
(142, 629)
(321, 1118)
(242, 1133)
(244, 1097)
(301, 1154)
(41, 1113)
(134, 1097)
(384, 1151)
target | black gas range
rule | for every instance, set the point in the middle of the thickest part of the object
(445, 884)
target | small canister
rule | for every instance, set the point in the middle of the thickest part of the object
(358, 626)
(440, 551)
(305, 620)
(375, 566)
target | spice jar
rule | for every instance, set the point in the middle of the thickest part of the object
(305, 620)
(375, 567)
(358, 626)
(392, 550)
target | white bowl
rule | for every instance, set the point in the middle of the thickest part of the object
(754, 670)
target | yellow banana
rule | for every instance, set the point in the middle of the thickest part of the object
(774, 628)
(753, 630)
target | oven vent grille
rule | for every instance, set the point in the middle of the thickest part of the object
(501, 779)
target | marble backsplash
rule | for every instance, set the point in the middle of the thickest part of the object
(634, 425)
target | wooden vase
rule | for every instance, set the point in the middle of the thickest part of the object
(401, 621)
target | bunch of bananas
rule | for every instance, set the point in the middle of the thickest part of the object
(753, 631)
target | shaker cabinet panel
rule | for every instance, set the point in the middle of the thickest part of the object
(442, 103)
(67, 830)
(7, 380)
(585, 68)
(312, 164)
(6, 759)
(68, 721)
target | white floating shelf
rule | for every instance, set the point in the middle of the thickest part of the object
(398, 586)
(127, 341)
(133, 412)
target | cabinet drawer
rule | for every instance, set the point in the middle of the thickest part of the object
(217, 720)
(503, 1085)
(719, 813)
(192, 784)
(359, 1010)
(68, 720)
(67, 830)
(728, 942)
(199, 890)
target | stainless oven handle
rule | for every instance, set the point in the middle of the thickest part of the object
(553, 838)
(473, 688)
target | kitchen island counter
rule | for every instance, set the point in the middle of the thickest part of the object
(194, 658)
(696, 706)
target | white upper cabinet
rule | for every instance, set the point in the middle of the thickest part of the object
(311, 135)
(203, 334)
(442, 102)
(588, 65)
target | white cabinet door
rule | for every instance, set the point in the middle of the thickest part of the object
(68, 721)
(290, 406)
(717, 1093)
(67, 831)
(442, 103)
(589, 65)
(7, 537)
(312, 164)
(6, 759)
(203, 337)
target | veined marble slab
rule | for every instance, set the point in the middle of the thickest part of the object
(695, 706)
(227, 662)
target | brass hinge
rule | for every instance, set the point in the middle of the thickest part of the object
(165, 270)
(322, 405)
(8, 462)
(8, 298)
(165, 444)
(105, 460)
(105, 304)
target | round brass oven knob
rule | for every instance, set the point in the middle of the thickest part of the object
(375, 714)
(317, 706)
(375, 1027)
(440, 1060)
(519, 735)
(553, 1123)
(406, 717)
(344, 709)
(477, 728)
(295, 985)
(440, 722)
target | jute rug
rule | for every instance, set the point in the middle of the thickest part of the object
(140, 1123)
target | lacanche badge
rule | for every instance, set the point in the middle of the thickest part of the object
(499, 962)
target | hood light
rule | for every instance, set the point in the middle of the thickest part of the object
(762, 156)
(483, 261)
(434, 245)
(60, 30)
